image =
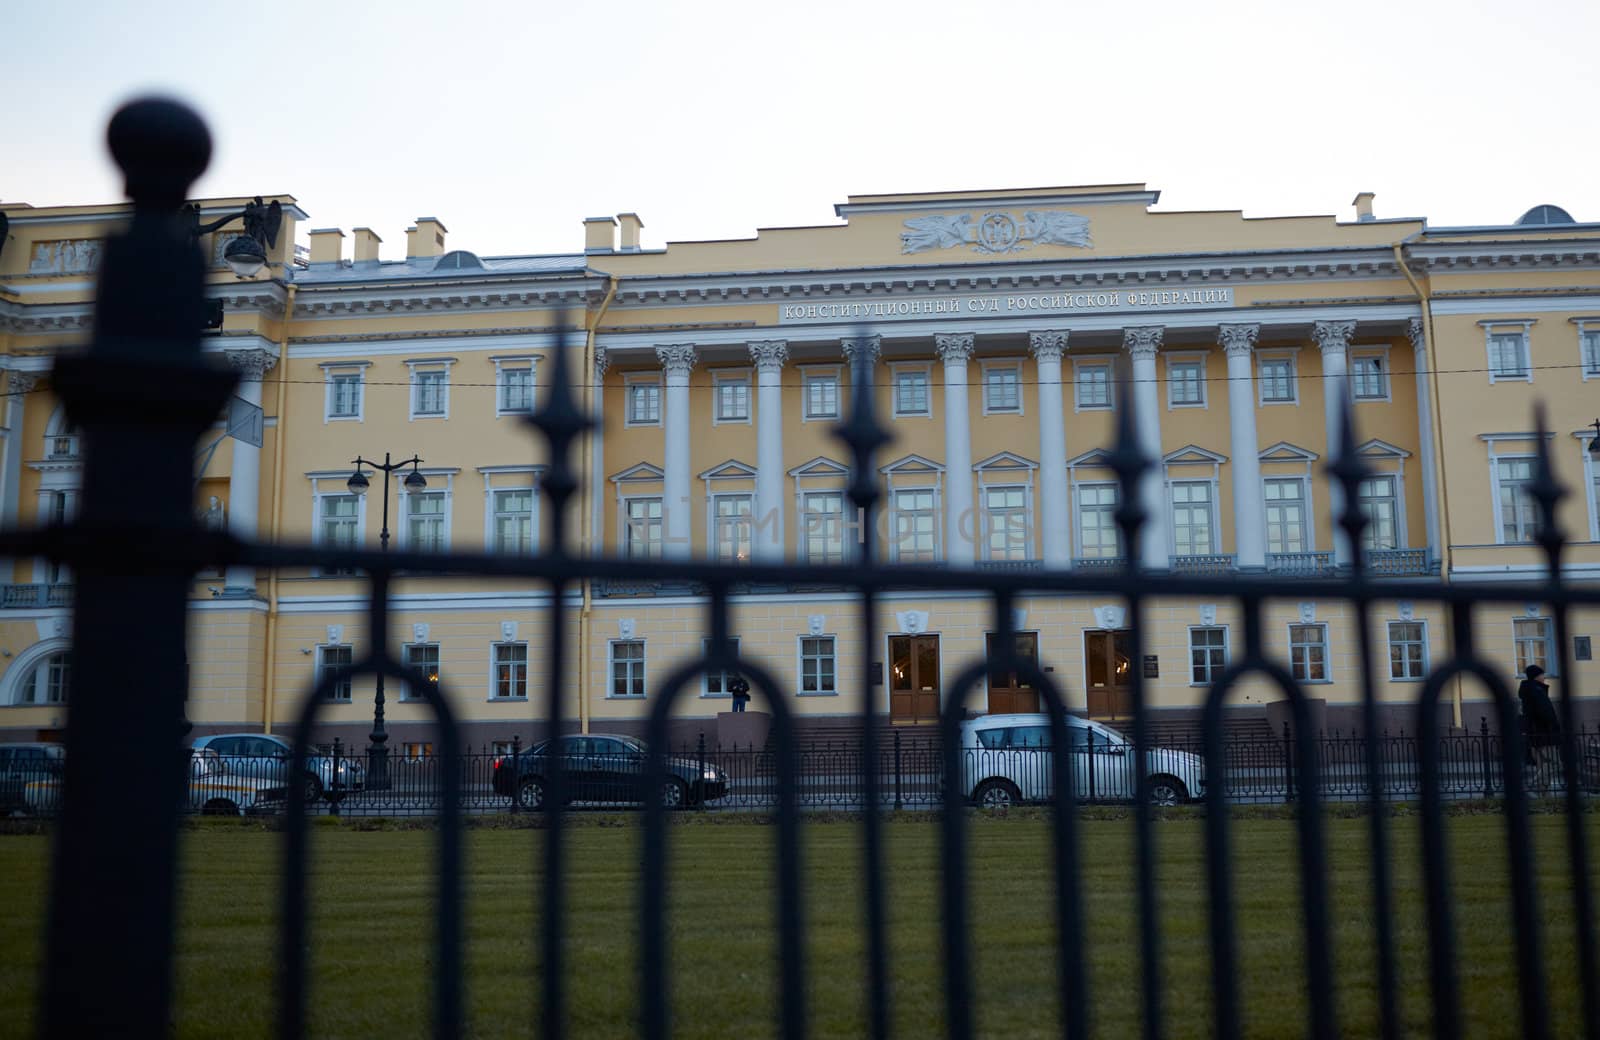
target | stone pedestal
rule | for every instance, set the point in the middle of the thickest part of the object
(743, 729)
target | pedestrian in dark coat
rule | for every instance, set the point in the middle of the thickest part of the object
(740, 691)
(1541, 729)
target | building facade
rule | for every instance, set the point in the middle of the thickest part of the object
(1003, 331)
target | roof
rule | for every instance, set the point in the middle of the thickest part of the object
(427, 267)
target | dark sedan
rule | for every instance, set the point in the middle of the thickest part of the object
(604, 768)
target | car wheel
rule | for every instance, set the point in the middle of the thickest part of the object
(313, 789)
(219, 807)
(674, 794)
(1167, 790)
(530, 793)
(996, 794)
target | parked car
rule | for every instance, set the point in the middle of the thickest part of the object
(24, 764)
(263, 756)
(602, 767)
(1010, 758)
(216, 790)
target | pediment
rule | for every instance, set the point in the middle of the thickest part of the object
(1193, 455)
(1094, 457)
(642, 471)
(912, 464)
(1376, 449)
(1283, 451)
(1005, 460)
(733, 469)
(821, 466)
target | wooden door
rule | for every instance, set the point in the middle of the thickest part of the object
(1007, 693)
(914, 679)
(1109, 670)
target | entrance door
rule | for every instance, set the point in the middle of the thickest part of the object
(1109, 668)
(1008, 694)
(914, 679)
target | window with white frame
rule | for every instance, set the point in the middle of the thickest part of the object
(821, 395)
(332, 657)
(717, 679)
(48, 682)
(430, 392)
(515, 393)
(1279, 384)
(1191, 518)
(343, 396)
(1376, 499)
(627, 668)
(822, 526)
(817, 665)
(1518, 519)
(1532, 638)
(510, 672)
(1005, 522)
(1186, 382)
(513, 521)
(1508, 355)
(1408, 650)
(1091, 381)
(911, 394)
(338, 517)
(641, 528)
(1589, 350)
(1098, 534)
(1286, 515)
(427, 521)
(915, 537)
(423, 657)
(732, 394)
(732, 529)
(643, 400)
(1002, 388)
(1208, 654)
(1308, 652)
(1369, 376)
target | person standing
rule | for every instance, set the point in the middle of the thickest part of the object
(1541, 730)
(739, 689)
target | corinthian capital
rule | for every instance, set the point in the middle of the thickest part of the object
(1142, 341)
(252, 363)
(769, 354)
(1048, 345)
(1236, 340)
(602, 361)
(1418, 337)
(22, 382)
(953, 347)
(675, 358)
(1333, 337)
(869, 347)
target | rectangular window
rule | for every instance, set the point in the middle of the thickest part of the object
(1308, 652)
(1408, 650)
(1286, 515)
(426, 521)
(1589, 347)
(1191, 518)
(1005, 513)
(716, 681)
(817, 665)
(1002, 389)
(733, 398)
(510, 671)
(1369, 377)
(914, 532)
(1519, 513)
(516, 390)
(1092, 384)
(1097, 522)
(428, 389)
(822, 526)
(424, 657)
(644, 403)
(641, 533)
(513, 521)
(627, 668)
(1208, 654)
(911, 393)
(822, 396)
(1508, 356)
(1532, 637)
(344, 395)
(733, 527)
(1376, 498)
(330, 657)
(1186, 384)
(1278, 381)
(337, 523)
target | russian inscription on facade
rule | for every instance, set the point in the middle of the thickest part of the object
(949, 305)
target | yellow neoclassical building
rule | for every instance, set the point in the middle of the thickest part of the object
(1001, 328)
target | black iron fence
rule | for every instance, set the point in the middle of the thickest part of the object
(142, 395)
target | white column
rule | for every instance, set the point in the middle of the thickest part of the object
(869, 347)
(18, 386)
(1153, 553)
(1425, 445)
(1249, 511)
(960, 522)
(244, 479)
(676, 361)
(597, 460)
(1055, 525)
(1333, 339)
(769, 357)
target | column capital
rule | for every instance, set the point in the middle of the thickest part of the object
(1333, 337)
(22, 382)
(954, 348)
(602, 361)
(1237, 340)
(769, 354)
(1048, 344)
(870, 347)
(1142, 341)
(251, 363)
(676, 358)
(1417, 335)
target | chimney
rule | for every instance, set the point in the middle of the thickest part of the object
(631, 226)
(599, 235)
(327, 245)
(426, 239)
(367, 242)
(1363, 206)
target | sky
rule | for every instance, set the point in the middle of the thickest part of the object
(511, 122)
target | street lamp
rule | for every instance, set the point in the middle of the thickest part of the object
(377, 750)
(246, 254)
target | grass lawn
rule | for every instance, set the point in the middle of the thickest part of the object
(372, 928)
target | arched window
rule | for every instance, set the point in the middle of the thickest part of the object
(61, 439)
(42, 676)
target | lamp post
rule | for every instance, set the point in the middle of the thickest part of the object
(1594, 445)
(377, 750)
(246, 254)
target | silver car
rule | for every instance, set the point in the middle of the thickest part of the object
(1011, 758)
(262, 756)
